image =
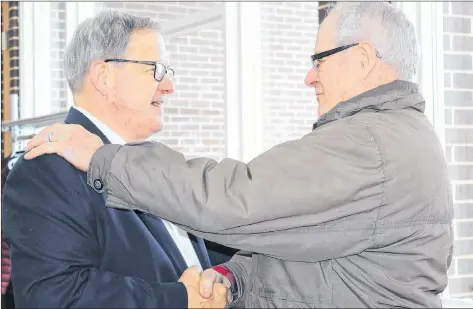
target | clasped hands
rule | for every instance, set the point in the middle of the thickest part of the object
(207, 289)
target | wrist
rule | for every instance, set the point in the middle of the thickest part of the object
(227, 274)
(224, 271)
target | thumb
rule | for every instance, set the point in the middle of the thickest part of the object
(190, 274)
(207, 281)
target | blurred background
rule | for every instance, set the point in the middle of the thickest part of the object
(239, 82)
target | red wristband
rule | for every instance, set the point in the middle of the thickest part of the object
(224, 272)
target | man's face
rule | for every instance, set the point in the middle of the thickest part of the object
(136, 95)
(336, 75)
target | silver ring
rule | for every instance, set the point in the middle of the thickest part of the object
(50, 137)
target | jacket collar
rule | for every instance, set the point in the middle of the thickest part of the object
(76, 117)
(396, 95)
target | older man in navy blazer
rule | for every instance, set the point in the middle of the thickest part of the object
(67, 248)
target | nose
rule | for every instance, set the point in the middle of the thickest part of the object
(166, 86)
(311, 77)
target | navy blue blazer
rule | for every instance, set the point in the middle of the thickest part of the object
(69, 250)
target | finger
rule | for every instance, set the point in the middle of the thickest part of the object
(220, 289)
(191, 273)
(194, 271)
(59, 132)
(46, 148)
(220, 295)
(207, 280)
(40, 138)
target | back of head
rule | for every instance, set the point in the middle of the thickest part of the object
(384, 26)
(106, 35)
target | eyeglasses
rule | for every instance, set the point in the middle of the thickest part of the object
(318, 56)
(160, 69)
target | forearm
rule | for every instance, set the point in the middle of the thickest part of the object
(163, 183)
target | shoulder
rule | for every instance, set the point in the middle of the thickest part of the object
(42, 183)
(344, 134)
(47, 168)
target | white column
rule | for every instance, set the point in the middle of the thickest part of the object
(251, 96)
(243, 80)
(35, 59)
(42, 58)
(232, 81)
(432, 67)
(26, 46)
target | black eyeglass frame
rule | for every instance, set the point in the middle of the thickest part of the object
(158, 73)
(332, 51)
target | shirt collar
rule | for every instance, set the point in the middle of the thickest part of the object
(113, 137)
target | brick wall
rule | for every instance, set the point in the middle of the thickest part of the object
(288, 33)
(458, 54)
(12, 27)
(58, 46)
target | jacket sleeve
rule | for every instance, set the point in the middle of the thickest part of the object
(52, 229)
(240, 268)
(311, 199)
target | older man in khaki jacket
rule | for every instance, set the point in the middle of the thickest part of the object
(357, 213)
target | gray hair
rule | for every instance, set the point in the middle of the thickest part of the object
(383, 25)
(104, 36)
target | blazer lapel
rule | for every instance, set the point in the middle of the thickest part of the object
(153, 224)
(200, 250)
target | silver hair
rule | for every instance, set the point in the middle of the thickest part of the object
(104, 36)
(384, 26)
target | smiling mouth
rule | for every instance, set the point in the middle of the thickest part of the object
(156, 103)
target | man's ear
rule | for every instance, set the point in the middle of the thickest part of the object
(99, 75)
(367, 58)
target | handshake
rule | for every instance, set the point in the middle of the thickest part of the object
(207, 289)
